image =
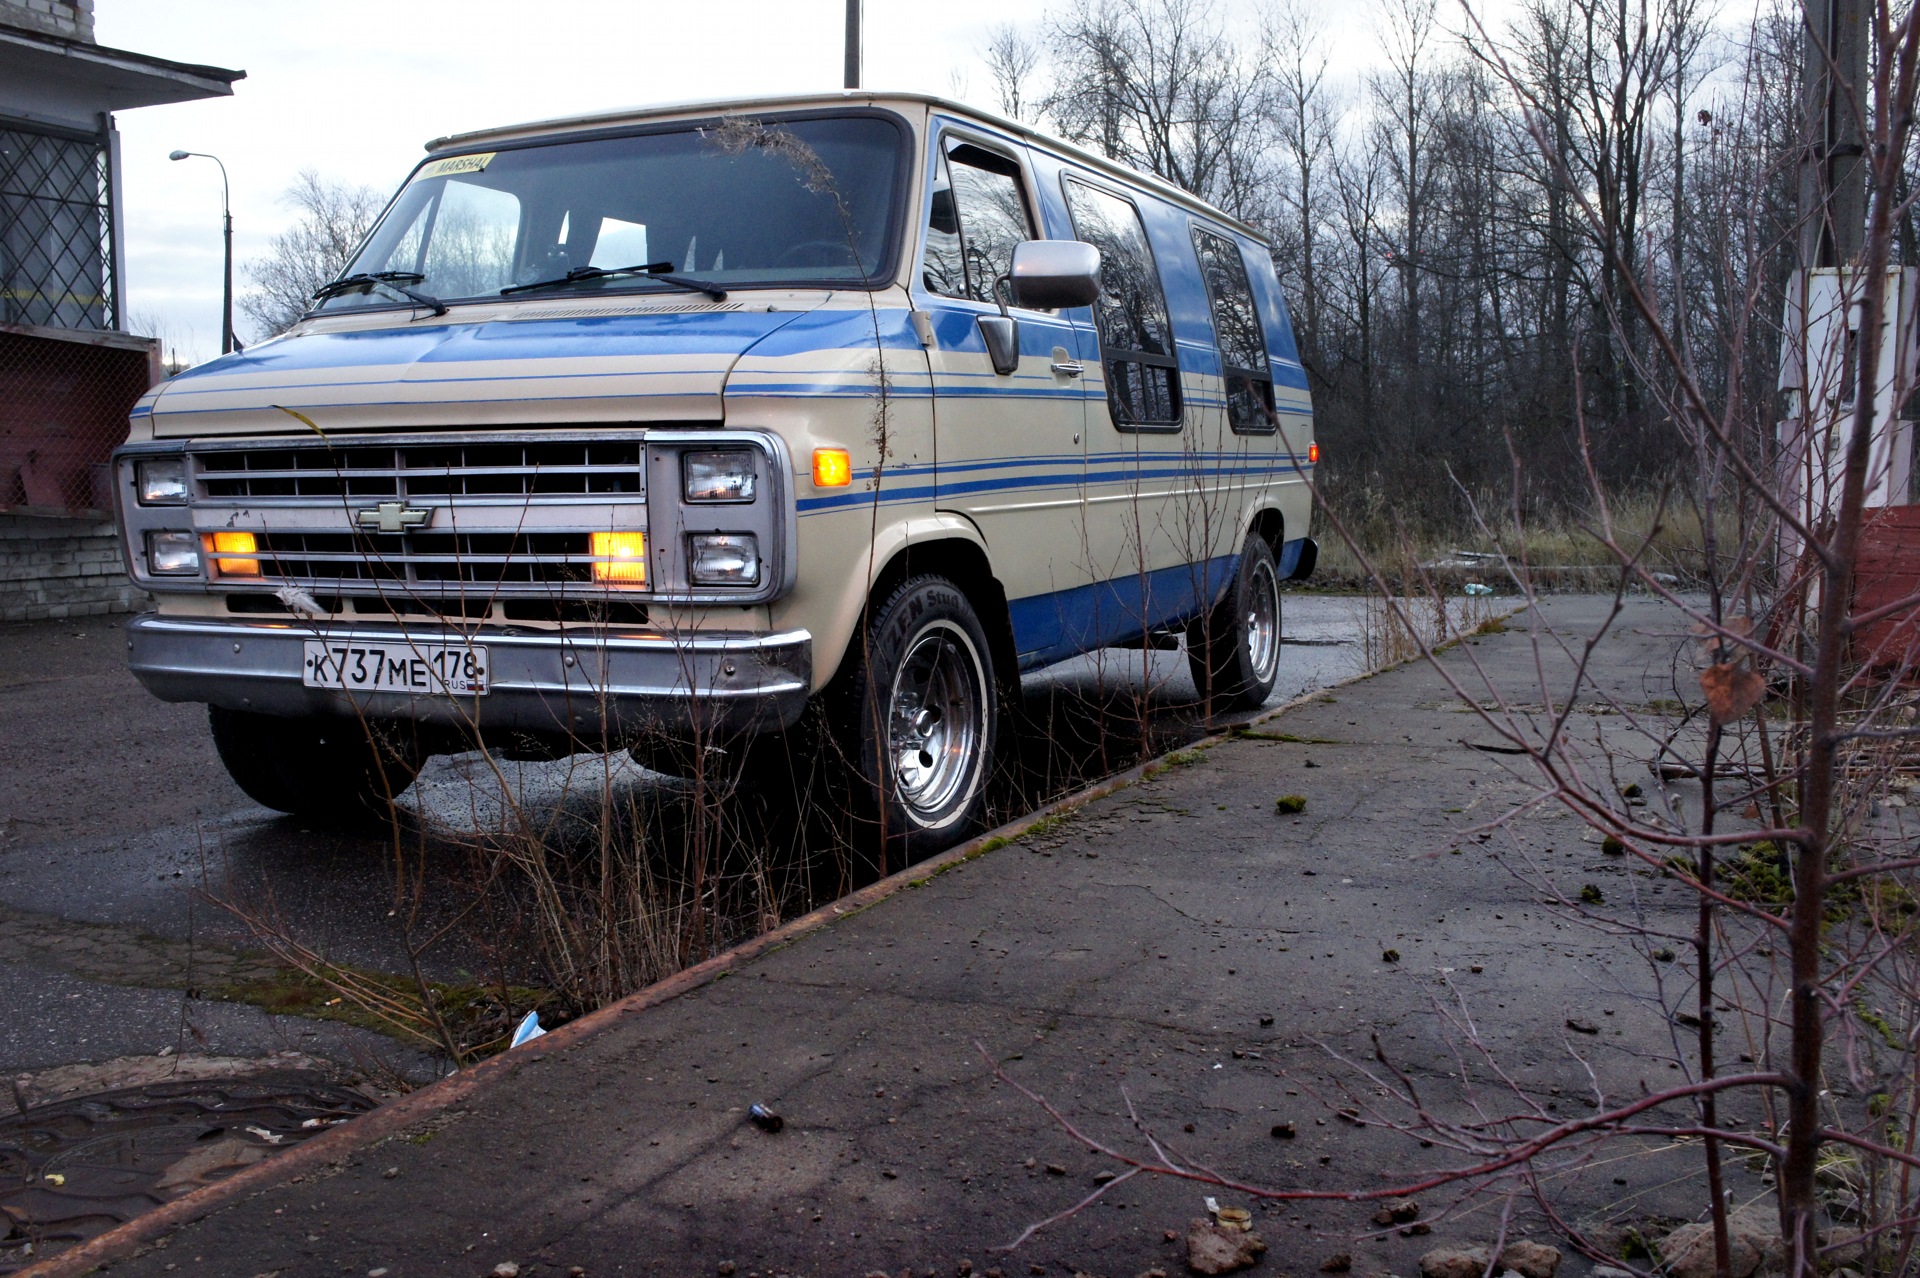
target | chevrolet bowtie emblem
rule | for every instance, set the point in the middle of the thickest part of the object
(392, 517)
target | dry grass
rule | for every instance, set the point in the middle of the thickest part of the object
(1560, 551)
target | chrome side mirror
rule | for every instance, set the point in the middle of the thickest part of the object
(1045, 274)
(1048, 274)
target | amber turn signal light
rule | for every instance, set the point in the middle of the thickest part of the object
(235, 543)
(832, 468)
(619, 558)
(1313, 454)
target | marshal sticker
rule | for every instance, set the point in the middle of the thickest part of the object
(455, 165)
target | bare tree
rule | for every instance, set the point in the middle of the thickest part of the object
(1358, 185)
(1407, 102)
(1160, 85)
(1602, 75)
(1012, 59)
(333, 218)
(1305, 123)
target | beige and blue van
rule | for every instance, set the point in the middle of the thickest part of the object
(677, 422)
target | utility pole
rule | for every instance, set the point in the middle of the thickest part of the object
(1835, 99)
(853, 44)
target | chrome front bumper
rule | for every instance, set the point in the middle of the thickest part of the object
(592, 684)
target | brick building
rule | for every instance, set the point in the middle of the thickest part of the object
(68, 369)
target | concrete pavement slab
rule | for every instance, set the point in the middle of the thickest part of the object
(1176, 950)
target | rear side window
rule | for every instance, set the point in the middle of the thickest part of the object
(1237, 329)
(977, 214)
(1136, 338)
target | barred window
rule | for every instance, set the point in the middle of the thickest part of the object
(56, 230)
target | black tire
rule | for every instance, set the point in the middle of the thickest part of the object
(1234, 650)
(919, 706)
(337, 770)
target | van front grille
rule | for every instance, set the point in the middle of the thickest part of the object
(435, 560)
(428, 469)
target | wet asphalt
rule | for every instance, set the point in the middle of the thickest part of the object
(116, 813)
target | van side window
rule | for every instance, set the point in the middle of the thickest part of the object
(1236, 327)
(1136, 338)
(977, 214)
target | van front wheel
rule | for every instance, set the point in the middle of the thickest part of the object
(927, 718)
(326, 769)
(1234, 651)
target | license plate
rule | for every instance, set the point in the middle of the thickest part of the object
(427, 669)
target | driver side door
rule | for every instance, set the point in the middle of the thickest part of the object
(1009, 446)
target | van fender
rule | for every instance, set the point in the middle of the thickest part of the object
(841, 616)
(1280, 514)
(1265, 519)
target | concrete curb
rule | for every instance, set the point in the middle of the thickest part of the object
(333, 1146)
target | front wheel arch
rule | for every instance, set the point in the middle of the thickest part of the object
(963, 562)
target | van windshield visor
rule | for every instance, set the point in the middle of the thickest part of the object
(740, 204)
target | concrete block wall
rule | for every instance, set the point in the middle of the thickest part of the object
(54, 567)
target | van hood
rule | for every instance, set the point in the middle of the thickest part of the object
(557, 365)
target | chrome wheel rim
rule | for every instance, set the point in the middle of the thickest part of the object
(1262, 623)
(936, 722)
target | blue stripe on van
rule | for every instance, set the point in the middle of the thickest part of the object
(725, 334)
(1065, 623)
(1085, 464)
(1057, 479)
(815, 330)
(1290, 553)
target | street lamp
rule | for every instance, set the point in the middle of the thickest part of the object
(227, 344)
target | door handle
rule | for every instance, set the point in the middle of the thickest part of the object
(1067, 368)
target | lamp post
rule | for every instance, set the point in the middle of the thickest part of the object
(227, 344)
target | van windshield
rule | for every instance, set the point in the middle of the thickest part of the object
(740, 204)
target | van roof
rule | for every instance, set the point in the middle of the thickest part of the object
(843, 97)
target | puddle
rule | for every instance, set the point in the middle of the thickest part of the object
(72, 1169)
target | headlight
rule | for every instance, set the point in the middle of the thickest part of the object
(161, 481)
(173, 554)
(725, 559)
(718, 476)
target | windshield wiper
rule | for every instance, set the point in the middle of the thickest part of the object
(393, 280)
(662, 271)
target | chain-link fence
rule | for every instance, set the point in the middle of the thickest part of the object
(64, 397)
(67, 377)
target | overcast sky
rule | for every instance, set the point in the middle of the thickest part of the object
(354, 88)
